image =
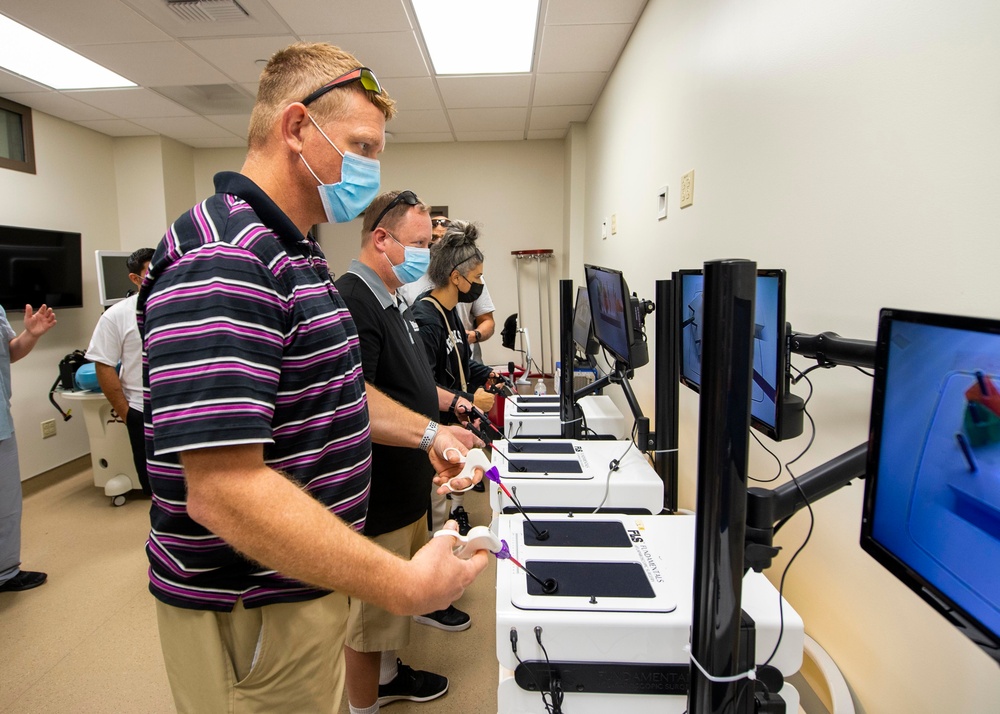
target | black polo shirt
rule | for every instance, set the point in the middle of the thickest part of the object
(392, 355)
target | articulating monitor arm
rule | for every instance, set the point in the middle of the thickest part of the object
(830, 349)
(765, 507)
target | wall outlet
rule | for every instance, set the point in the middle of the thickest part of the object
(614, 224)
(48, 428)
(604, 229)
(661, 202)
(687, 189)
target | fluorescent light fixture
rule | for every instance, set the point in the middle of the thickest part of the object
(25, 52)
(478, 37)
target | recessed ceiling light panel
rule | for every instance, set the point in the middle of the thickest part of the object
(477, 37)
(29, 54)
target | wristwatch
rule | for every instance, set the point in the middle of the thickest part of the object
(428, 438)
(479, 337)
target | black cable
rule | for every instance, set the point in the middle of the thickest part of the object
(802, 374)
(555, 684)
(864, 372)
(538, 685)
(773, 456)
(812, 519)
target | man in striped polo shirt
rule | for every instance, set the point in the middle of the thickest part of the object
(258, 421)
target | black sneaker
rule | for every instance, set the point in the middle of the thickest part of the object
(480, 487)
(450, 619)
(24, 580)
(412, 684)
(460, 515)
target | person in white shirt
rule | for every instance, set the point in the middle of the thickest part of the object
(117, 340)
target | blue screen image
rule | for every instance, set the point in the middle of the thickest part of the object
(937, 501)
(608, 305)
(767, 341)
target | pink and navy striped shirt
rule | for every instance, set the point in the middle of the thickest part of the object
(246, 341)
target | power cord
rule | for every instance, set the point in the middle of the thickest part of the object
(612, 467)
(812, 517)
(555, 686)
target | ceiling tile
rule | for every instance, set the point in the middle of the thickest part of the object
(238, 124)
(10, 82)
(117, 127)
(130, 103)
(557, 117)
(417, 138)
(58, 105)
(592, 12)
(184, 127)
(419, 120)
(210, 99)
(502, 119)
(413, 93)
(511, 90)
(568, 88)
(548, 134)
(262, 21)
(74, 23)
(312, 17)
(581, 48)
(155, 63)
(389, 54)
(490, 135)
(223, 143)
(237, 56)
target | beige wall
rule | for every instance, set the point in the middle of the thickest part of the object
(57, 198)
(514, 190)
(854, 144)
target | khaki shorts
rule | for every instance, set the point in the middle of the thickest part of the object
(277, 658)
(370, 628)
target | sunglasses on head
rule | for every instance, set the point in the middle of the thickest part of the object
(440, 222)
(361, 74)
(407, 197)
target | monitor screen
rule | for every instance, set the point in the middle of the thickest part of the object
(39, 267)
(769, 353)
(583, 331)
(932, 493)
(112, 276)
(609, 309)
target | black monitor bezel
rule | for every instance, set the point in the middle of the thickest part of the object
(591, 346)
(625, 359)
(772, 431)
(971, 627)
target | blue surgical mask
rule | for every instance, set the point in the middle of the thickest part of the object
(358, 186)
(414, 265)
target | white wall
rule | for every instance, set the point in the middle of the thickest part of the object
(854, 144)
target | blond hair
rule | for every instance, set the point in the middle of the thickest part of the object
(293, 73)
(392, 216)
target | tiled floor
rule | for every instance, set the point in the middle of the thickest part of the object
(86, 641)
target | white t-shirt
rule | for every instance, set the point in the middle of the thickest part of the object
(116, 339)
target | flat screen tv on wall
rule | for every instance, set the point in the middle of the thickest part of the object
(39, 267)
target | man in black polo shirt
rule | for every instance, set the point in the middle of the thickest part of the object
(394, 251)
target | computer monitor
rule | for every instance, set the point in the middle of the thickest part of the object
(613, 315)
(770, 357)
(113, 284)
(583, 329)
(932, 492)
(39, 267)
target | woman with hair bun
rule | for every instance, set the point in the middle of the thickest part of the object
(456, 273)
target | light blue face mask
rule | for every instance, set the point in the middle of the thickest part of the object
(414, 265)
(358, 186)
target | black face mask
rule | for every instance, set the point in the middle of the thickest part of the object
(475, 291)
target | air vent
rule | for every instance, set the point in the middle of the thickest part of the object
(208, 10)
